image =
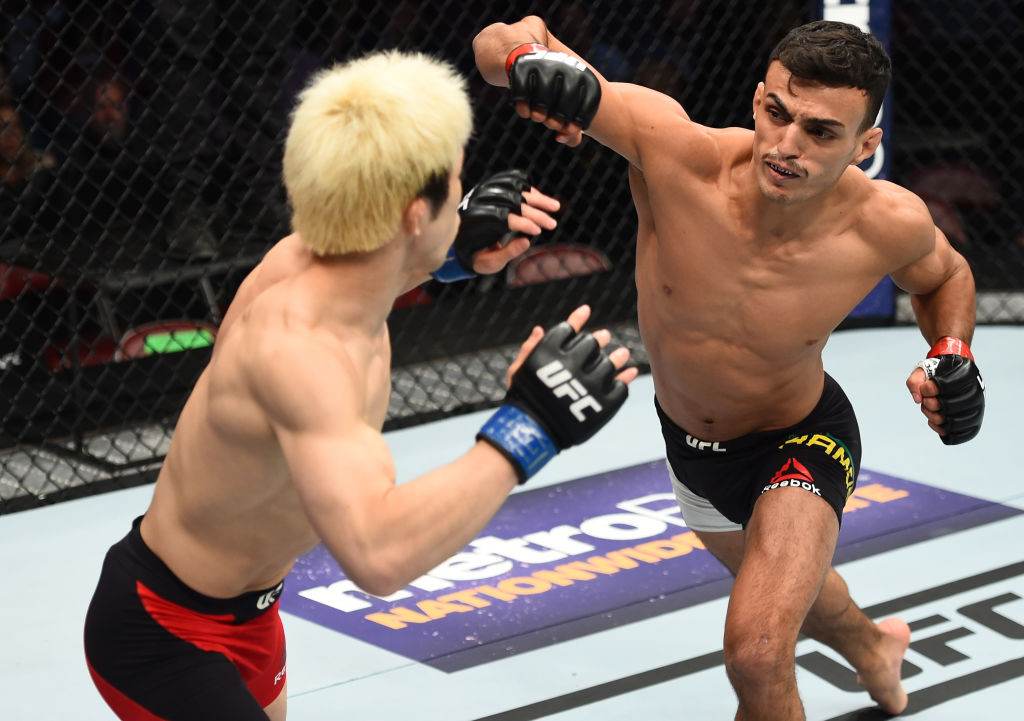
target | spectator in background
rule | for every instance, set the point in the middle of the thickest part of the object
(108, 177)
(40, 40)
(674, 49)
(107, 122)
(218, 111)
(585, 35)
(25, 176)
(965, 158)
(6, 92)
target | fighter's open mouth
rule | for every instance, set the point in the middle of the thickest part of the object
(782, 171)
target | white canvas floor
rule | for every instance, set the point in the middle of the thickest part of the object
(962, 583)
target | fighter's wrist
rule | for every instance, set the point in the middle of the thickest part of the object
(452, 270)
(948, 345)
(522, 50)
(520, 438)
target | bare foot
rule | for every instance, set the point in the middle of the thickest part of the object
(883, 681)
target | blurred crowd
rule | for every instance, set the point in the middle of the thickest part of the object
(161, 121)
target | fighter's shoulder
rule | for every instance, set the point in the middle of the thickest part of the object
(891, 211)
(710, 151)
(732, 143)
(299, 352)
(296, 371)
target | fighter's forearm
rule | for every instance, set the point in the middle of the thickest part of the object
(493, 44)
(949, 310)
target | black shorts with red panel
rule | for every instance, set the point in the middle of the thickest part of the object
(820, 455)
(159, 651)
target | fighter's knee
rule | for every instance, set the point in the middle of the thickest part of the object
(757, 659)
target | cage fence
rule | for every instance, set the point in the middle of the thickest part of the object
(140, 160)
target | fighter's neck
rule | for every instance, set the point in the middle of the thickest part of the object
(352, 291)
(770, 220)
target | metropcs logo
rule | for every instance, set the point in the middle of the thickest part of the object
(644, 517)
(573, 558)
(556, 376)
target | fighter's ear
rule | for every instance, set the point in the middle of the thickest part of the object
(758, 97)
(869, 142)
(414, 216)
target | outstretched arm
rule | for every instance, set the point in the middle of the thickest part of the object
(494, 43)
(385, 535)
(629, 118)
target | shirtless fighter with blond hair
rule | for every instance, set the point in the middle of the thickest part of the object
(752, 247)
(279, 446)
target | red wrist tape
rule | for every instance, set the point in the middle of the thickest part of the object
(522, 50)
(948, 345)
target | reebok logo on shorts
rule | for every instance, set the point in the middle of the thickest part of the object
(834, 448)
(793, 474)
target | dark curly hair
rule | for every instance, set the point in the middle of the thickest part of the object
(837, 54)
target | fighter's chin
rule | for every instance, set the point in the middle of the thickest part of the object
(776, 195)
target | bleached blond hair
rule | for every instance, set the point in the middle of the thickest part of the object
(365, 139)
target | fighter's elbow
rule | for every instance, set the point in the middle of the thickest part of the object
(378, 584)
(379, 564)
(375, 577)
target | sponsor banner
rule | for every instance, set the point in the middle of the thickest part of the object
(565, 560)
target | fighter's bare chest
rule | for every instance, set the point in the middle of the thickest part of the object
(698, 260)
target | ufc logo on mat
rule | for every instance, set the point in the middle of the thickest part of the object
(554, 375)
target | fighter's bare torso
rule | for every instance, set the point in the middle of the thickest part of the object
(735, 309)
(225, 516)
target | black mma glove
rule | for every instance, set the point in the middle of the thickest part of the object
(484, 221)
(564, 392)
(554, 82)
(961, 390)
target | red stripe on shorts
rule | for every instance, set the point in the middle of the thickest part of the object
(255, 647)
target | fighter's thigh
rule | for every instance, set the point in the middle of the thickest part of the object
(726, 546)
(722, 537)
(790, 539)
(277, 709)
(207, 685)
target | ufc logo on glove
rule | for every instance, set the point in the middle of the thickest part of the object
(555, 376)
(534, 424)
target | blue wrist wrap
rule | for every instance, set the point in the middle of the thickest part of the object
(520, 439)
(452, 269)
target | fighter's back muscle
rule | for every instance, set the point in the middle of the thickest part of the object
(226, 479)
(274, 369)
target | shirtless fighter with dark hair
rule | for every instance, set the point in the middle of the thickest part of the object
(752, 247)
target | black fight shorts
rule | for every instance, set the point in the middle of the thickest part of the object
(157, 650)
(820, 454)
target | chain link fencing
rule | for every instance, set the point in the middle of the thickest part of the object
(140, 161)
